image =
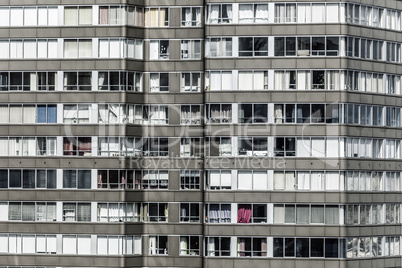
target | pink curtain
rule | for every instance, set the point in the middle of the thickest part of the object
(263, 247)
(68, 146)
(242, 246)
(99, 180)
(103, 15)
(244, 214)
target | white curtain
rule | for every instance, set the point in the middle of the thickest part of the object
(84, 245)
(102, 245)
(245, 80)
(213, 16)
(3, 146)
(4, 49)
(318, 147)
(137, 245)
(51, 244)
(261, 13)
(279, 181)
(154, 82)
(138, 49)
(245, 180)
(70, 16)
(152, 245)
(30, 16)
(114, 245)
(28, 244)
(52, 49)
(51, 144)
(16, 49)
(42, 48)
(260, 180)
(280, 14)
(4, 16)
(69, 244)
(85, 15)
(303, 80)
(4, 114)
(103, 48)
(115, 48)
(29, 146)
(29, 114)
(43, 16)
(153, 49)
(332, 12)
(227, 81)
(246, 13)
(226, 179)
(16, 114)
(85, 48)
(259, 80)
(16, 16)
(70, 48)
(303, 13)
(317, 181)
(332, 145)
(319, 13)
(303, 147)
(41, 244)
(279, 214)
(215, 81)
(303, 180)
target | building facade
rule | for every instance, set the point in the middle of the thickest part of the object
(200, 133)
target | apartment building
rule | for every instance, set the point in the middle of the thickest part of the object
(200, 134)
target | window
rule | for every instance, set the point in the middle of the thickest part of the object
(159, 82)
(253, 80)
(81, 146)
(29, 211)
(149, 114)
(252, 180)
(189, 212)
(284, 147)
(251, 213)
(190, 49)
(21, 114)
(218, 146)
(219, 13)
(190, 114)
(251, 247)
(77, 48)
(112, 15)
(155, 146)
(190, 82)
(285, 46)
(45, 81)
(158, 245)
(253, 46)
(222, 47)
(159, 49)
(218, 113)
(217, 246)
(112, 179)
(118, 212)
(253, 13)
(217, 213)
(46, 114)
(76, 179)
(77, 80)
(253, 113)
(189, 179)
(81, 15)
(156, 212)
(112, 113)
(285, 13)
(76, 113)
(77, 212)
(130, 81)
(156, 17)
(191, 16)
(190, 245)
(120, 48)
(118, 245)
(307, 214)
(46, 146)
(218, 179)
(190, 147)
(151, 179)
(309, 247)
(253, 146)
